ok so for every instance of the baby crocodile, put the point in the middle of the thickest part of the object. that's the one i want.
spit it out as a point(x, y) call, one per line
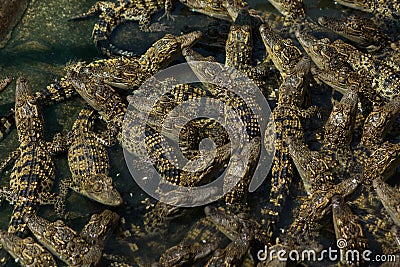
point(26, 251)
point(288, 123)
point(64, 242)
point(100, 226)
point(113, 13)
point(283, 53)
point(347, 227)
point(382, 9)
point(34, 171)
point(89, 163)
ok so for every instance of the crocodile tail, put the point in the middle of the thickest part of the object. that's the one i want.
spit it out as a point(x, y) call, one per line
point(24, 205)
point(56, 92)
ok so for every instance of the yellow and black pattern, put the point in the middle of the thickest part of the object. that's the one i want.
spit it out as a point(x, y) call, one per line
point(27, 251)
point(113, 13)
point(89, 162)
point(33, 172)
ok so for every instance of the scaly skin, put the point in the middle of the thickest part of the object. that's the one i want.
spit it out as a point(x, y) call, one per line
point(283, 53)
point(34, 171)
point(390, 199)
point(287, 117)
point(222, 9)
point(100, 226)
point(385, 79)
point(243, 107)
point(26, 251)
point(56, 92)
point(64, 242)
point(383, 9)
point(89, 163)
point(293, 10)
point(362, 31)
point(348, 65)
point(112, 14)
point(201, 240)
point(347, 227)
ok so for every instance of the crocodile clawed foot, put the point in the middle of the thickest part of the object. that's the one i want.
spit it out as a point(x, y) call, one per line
point(167, 15)
point(155, 27)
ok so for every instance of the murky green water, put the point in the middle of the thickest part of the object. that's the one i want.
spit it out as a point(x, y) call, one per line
point(42, 44)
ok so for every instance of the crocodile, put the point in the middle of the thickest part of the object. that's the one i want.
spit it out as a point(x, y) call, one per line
point(288, 117)
point(100, 226)
point(385, 78)
point(201, 240)
point(114, 13)
point(283, 53)
point(55, 92)
point(367, 34)
point(347, 227)
point(390, 199)
point(293, 10)
point(89, 163)
point(26, 251)
point(389, 10)
point(64, 242)
point(376, 77)
point(33, 173)
point(363, 31)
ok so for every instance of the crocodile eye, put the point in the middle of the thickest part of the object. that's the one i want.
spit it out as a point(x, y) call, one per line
point(277, 48)
point(97, 187)
point(315, 47)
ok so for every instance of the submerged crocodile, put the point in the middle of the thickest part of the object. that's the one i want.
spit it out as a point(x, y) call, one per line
point(337, 171)
point(114, 13)
point(64, 242)
point(26, 251)
point(122, 72)
point(382, 9)
point(33, 173)
point(89, 163)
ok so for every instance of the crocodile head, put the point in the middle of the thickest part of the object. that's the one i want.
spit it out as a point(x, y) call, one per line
point(100, 226)
point(167, 49)
point(27, 114)
point(101, 189)
point(283, 52)
point(363, 31)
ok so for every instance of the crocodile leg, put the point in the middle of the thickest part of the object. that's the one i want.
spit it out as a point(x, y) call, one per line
point(10, 158)
point(5, 82)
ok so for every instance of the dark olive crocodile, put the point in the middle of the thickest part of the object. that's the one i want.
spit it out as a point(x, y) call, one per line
point(26, 251)
point(288, 117)
point(382, 9)
point(375, 77)
point(362, 31)
point(201, 240)
point(64, 242)
point(114, 13)
point(34, 171)
point(89, 162)
point(283, 52)
point(100, 226)
point(293, 10)
point(340, 171)
point(347, 227)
